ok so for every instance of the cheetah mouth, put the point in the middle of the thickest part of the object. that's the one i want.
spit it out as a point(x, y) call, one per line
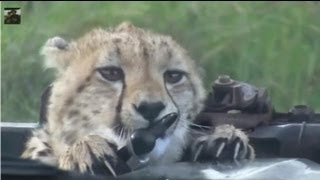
point(165, 126)
point(143, 141)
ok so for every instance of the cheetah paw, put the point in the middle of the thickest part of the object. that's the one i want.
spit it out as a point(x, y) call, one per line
point(225, 143)
point(93, 154)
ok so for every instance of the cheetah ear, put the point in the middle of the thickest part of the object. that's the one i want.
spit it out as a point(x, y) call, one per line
point(125, 27)
point(56, 53)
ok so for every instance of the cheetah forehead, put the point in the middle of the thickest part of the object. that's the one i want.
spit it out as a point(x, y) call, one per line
point(125, 44)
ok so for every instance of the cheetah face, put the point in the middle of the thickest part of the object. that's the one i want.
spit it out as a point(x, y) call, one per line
point(149, 83)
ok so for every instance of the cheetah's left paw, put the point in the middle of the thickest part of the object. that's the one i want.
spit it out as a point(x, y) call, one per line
point(225, 143)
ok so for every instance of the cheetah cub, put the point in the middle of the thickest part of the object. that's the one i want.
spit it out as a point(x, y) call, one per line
point(110, 83)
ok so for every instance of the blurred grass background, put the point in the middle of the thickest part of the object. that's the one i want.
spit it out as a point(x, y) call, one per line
point(270, 44)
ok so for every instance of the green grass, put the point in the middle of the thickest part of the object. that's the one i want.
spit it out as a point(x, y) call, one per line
point(270, 44)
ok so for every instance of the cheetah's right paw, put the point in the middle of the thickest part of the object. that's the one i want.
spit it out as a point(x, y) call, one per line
point(95, 155)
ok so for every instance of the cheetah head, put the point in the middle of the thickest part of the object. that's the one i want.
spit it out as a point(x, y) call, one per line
point(124, 79)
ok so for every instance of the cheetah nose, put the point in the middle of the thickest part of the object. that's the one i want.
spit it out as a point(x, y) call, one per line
point(149, 110)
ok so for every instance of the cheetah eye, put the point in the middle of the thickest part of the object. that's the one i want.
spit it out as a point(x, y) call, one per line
point(173, 76)
point(111, 73)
